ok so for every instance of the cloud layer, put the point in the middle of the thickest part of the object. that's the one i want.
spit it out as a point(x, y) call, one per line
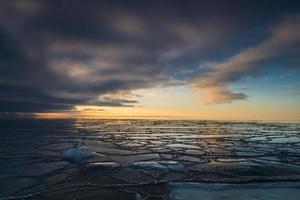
point(283, 39)
point(58, 54)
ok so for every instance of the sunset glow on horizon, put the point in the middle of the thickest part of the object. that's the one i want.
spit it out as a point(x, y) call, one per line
point(183, 103)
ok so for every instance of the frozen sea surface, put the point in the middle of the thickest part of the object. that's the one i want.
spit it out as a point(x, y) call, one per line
point(148, 159)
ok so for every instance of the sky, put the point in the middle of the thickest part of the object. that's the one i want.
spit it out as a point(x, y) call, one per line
point(204, 59)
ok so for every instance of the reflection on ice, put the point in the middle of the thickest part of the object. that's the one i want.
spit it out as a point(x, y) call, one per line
point(163, 165)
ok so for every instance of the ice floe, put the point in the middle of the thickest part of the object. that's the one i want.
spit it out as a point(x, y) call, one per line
point(76, 155)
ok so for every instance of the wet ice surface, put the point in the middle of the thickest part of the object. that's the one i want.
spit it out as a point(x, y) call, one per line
point(273, 191)
point(146, 159)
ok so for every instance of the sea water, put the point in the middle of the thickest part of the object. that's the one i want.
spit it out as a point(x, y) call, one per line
point(148, 159)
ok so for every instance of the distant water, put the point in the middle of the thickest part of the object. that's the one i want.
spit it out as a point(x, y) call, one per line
point(148, 159)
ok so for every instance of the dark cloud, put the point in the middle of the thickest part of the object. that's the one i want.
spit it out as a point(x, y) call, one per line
point(284, 39)
point(61, 53)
